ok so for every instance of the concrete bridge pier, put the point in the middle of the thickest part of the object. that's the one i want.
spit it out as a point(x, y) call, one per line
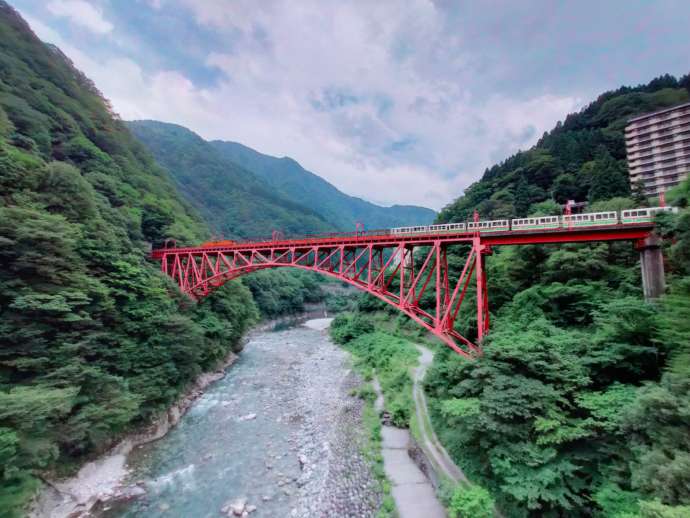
point(652, 264)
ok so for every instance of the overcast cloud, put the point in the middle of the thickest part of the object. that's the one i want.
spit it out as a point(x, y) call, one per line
point(396, 102)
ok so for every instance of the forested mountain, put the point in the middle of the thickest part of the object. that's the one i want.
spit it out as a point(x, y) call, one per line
point(580, 404)
point(93, 338)
point(234, 201)
point(582, 158)
point(341, 210)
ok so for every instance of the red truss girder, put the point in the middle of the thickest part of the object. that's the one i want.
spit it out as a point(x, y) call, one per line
point(374, 262)
point(386, 271)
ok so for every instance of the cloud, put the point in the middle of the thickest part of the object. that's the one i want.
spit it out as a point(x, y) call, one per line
point(392, 104)
point(82, 13)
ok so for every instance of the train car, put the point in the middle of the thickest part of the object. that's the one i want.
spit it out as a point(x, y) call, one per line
point(591, 219)
point(644, 215)
point(447, 227)
point(409, 230)
point(224, 242)
point(430, 229)
point(497, 225)
point(537, 222)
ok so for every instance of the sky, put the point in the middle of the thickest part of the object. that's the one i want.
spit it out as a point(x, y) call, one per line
point(397, 102)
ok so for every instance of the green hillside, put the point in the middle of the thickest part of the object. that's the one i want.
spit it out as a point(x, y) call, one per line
point(93, 339)
point(582, 158)
point(231, 199)
point(341, 210)
point(579, 406)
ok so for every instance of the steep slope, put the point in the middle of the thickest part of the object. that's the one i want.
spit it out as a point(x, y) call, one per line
point(342, 210)
point(562, 414)
point(234, 201)
point(93, 338)
point(582, 158)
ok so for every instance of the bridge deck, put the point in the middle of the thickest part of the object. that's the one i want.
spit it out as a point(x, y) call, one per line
point(627, 232)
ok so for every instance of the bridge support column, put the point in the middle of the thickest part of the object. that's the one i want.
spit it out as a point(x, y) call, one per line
point(652, 265)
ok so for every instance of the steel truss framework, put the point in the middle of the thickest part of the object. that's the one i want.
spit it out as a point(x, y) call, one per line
point(399, 270)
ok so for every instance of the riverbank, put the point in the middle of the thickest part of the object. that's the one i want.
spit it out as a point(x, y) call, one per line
point(280, 435)
point(101, 480)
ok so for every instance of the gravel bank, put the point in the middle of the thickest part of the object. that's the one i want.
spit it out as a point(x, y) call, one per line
point(339, 481)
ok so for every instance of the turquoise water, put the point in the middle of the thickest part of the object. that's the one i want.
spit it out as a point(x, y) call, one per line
point(213, 456)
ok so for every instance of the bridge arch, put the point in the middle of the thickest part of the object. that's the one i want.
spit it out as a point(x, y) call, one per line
point(386, 272)
point(421, 317)
point(397, 269)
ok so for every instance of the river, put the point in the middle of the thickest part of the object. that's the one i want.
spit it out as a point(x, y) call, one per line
point(280, 430)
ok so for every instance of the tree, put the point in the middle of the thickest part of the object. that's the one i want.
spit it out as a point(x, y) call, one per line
point(638, 194)
point(608, 179)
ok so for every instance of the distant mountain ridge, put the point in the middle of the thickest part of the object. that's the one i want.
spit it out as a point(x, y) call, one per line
point(290, 178)
point(244, 193)
point(234, 201)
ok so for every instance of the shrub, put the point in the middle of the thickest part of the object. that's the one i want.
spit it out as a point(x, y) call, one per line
point(471, 502)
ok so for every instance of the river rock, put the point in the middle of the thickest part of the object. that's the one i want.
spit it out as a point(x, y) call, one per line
point(302, 461)
point(131, 492)
point(247, 417)
point(234, 508)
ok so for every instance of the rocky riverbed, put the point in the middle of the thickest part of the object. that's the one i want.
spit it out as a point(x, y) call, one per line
point(280, 435)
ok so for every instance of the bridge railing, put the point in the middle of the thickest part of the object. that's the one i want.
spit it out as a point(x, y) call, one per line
point(321, 235)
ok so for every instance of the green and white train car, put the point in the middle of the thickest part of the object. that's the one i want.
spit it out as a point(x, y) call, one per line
point(536, 222)
point(643, 215)
point(497, 225)
point(592, 219)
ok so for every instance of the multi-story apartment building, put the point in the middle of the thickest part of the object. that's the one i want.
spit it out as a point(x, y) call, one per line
point(658, 148)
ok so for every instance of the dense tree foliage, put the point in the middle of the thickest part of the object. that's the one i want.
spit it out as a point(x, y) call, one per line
point(284, 291)
point(579, 405)
point(93, 338)
point(235, 202)
point(340, 210)
point(582, 159)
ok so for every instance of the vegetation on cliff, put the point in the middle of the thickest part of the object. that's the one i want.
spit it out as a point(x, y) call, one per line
point(579, 405)
point(93, 338)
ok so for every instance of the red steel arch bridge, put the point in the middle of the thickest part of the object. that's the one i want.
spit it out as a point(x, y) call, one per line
point(397, 268)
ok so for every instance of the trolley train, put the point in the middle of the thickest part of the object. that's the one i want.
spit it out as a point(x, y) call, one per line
point(592, 219)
